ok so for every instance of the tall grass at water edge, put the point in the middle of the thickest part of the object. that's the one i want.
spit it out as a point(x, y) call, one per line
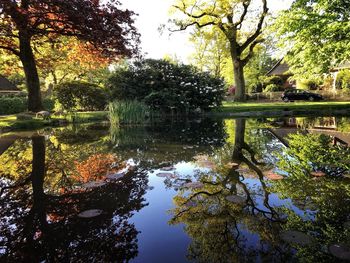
point(128, 112)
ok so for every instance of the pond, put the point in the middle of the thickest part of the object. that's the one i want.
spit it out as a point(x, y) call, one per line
point(206, 190)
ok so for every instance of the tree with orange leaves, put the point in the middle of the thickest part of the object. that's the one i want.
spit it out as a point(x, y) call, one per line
point(105, 26)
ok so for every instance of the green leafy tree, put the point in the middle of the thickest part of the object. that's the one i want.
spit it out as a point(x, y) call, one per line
point(241, 22)
point(315, 35)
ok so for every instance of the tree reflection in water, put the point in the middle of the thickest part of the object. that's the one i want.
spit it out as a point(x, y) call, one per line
point(38, 224)
point(249, 226)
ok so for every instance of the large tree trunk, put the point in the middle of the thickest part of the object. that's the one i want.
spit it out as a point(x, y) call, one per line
point(31, 73)
point(239, 80)
point(238, 72)
point(38, 168)
point(239, 139)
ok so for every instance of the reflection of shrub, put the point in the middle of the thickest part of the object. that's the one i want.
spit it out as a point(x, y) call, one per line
point(163, 85)
point(81, 96)
point(272, 88)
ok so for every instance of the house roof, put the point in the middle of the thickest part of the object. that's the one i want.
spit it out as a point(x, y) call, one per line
point(279, 69)
point(6, 85)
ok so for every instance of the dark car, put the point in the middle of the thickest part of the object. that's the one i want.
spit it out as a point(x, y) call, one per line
point(298, 94)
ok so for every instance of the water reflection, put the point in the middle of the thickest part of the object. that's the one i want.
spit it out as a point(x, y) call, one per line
point(232, 218)
point(38, 224)
point(219, 190)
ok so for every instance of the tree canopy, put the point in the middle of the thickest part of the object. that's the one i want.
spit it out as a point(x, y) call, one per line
point(315, 34)
point(241, 22)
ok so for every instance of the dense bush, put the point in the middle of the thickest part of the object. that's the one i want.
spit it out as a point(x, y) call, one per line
point(12, 105)
point(163, 85)
point(15, 104)
point(273, 83)
point(81, 96)
point(272, 88)
point(343, 79)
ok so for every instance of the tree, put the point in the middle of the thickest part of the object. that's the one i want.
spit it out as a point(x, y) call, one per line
point(234, 19)
point(315, 35)
point(211, 53)
point(23, 22)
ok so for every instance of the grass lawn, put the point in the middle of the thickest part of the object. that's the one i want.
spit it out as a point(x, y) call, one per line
point(10, 122)
point(272, 106)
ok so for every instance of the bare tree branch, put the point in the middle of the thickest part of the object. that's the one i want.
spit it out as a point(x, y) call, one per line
point(245, 11)
point(251, 51)
point(184, 27)
point(258, 28)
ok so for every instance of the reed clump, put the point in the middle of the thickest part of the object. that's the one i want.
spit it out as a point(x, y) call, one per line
point(128, 112)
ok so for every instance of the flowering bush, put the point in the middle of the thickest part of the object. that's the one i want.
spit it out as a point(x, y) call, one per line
point(165, 86)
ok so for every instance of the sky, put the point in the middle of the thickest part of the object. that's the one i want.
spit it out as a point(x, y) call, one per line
point(153, 13)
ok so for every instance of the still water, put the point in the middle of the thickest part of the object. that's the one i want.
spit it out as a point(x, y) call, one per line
point(235, 190)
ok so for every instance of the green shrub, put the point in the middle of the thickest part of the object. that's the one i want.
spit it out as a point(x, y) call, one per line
point(278, 81)
point(255, 86)
point(48, 104)
point(165, 86)
point(343, 79)
point(272, 88)
point(81, 96)
point(12, 105)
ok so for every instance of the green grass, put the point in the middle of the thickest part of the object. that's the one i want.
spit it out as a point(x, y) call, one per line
point(9, 122)
point(275, 106)
point(87, 116)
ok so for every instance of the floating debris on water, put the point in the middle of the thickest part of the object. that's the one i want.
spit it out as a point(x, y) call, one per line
point(194, 185)
point(274, 176)
point(318, 174)
point(191, 204)
point(115, 176)
point(340, 251)
point(232, 165)
point(167, 175)
point(296, 237)
point(168, 168)
point(236, 199)
point(94, 184)
point(90, 213)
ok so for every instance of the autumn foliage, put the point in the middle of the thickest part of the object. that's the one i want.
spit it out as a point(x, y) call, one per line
point(96, 167)
point(103, 25)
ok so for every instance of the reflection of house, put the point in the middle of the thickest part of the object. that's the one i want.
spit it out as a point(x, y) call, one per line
point(7, 87)
point(281, 69)
point(326, 126)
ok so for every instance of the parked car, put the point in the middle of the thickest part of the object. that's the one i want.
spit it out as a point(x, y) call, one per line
point(298, 94)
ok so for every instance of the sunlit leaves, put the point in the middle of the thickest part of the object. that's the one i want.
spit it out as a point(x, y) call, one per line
point(315, 34)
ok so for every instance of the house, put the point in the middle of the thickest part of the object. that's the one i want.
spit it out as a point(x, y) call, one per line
point(335, 71)
point(281, 69)
point(7, 87)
